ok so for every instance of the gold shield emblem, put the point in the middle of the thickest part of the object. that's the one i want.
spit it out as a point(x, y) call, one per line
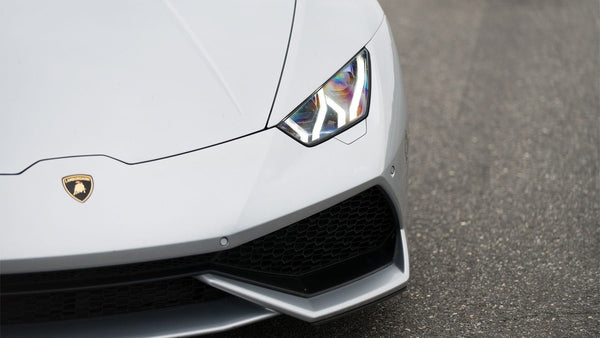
point(79, 186)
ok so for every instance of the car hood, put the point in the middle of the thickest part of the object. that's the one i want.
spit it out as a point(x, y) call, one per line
point(135, 80)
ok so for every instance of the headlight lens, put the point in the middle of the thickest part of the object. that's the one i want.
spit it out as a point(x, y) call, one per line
point(339, 104)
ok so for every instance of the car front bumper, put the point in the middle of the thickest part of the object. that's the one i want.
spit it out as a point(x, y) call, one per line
point(250, 304)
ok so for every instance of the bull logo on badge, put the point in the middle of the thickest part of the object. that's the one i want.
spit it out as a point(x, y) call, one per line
point(79, 186)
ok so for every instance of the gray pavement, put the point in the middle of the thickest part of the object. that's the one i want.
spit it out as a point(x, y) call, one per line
point(504, 233)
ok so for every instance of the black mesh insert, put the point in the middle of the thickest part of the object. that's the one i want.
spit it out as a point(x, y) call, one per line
point(115, 274)
point(332, 247)
point(354, 227)
point(86, 303)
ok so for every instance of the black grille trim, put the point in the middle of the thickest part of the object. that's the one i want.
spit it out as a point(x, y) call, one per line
point(333, 247)
point(105, 301)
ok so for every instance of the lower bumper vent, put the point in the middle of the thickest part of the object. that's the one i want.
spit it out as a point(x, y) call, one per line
point(99, 302)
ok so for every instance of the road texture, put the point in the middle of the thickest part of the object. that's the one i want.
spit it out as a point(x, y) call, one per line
point(504, 233)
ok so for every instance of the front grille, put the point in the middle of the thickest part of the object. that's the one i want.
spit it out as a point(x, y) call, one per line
point(354, 227)
point(332, 247)
point(327, 249)
point(115, 274)
point(87, 303)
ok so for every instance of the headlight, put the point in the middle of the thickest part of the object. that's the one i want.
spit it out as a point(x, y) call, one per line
point(339, 104)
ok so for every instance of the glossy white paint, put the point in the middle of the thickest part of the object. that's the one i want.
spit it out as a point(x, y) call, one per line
point(327, 34)
point(354, 133)
point(135, 80)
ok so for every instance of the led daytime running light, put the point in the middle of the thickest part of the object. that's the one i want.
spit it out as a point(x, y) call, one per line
point(339, 104)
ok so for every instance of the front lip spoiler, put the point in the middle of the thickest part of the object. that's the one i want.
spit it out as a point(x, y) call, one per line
point(250, 303)
point(361, 292)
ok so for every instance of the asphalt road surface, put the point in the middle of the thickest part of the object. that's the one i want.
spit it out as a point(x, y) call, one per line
point(504, 232)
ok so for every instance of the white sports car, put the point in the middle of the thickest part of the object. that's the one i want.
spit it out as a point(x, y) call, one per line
point(177, 167)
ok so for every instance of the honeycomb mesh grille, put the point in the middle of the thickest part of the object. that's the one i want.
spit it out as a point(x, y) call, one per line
point(351, 228)
point(27, 282)
point(87, 303)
